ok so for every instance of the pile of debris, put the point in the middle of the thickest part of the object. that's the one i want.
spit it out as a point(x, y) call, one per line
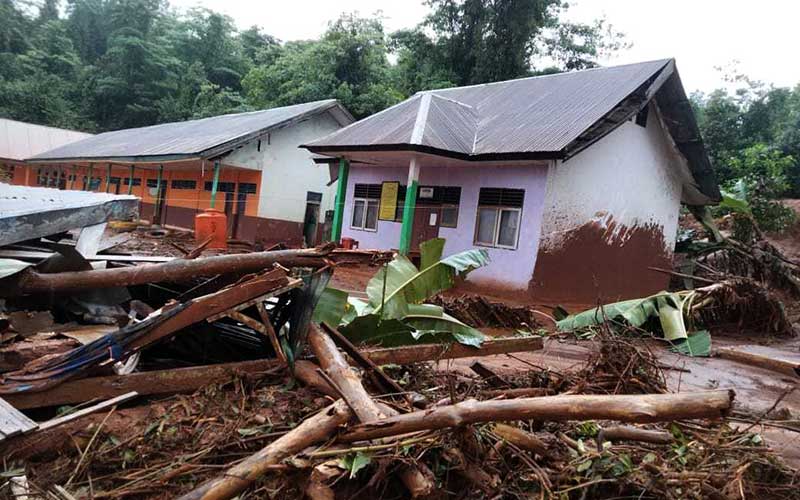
point(480, 312)
point(299, 389)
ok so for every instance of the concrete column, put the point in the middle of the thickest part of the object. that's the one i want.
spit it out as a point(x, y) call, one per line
point(409, 206)
point(341, 193)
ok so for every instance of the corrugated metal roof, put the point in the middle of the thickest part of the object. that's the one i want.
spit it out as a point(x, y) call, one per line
point(21, 200)
point(542, 114)
point(189, 138)
point(20, 140)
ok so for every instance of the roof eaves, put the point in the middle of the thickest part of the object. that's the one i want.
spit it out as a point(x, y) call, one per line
point(421, 148)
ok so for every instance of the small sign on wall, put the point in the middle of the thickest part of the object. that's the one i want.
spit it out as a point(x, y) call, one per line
point(426, 193)
point(389, 193)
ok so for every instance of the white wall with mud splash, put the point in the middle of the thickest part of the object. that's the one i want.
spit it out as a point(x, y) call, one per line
point(629, 179)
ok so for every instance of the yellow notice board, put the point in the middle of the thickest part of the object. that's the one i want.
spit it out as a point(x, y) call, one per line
point(388, 208)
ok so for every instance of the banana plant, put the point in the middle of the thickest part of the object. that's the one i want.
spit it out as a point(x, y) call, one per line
point(673, 310)
point(394, 312)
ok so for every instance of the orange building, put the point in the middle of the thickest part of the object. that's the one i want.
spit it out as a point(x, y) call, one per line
point(270, 189)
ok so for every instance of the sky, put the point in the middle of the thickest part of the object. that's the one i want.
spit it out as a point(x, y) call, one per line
point(758, 39)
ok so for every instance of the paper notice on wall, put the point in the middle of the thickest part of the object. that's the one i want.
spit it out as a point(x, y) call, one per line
point(389, 192)
point(432, 219)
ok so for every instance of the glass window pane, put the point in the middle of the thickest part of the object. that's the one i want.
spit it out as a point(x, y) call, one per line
point(358, 213)
point(372, 215)
point(449, 217)
point(487, 218)
point(509, 220)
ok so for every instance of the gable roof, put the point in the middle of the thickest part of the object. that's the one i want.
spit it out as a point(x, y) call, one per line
point(203, 138)
point(20, 140)
point(544, 117)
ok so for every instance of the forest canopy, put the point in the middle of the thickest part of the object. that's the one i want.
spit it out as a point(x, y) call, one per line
point(99, 65)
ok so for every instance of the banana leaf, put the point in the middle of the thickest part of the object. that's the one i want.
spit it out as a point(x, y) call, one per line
point(392, 289)
point(419, 329)
point(331, 308)
point(696, 344)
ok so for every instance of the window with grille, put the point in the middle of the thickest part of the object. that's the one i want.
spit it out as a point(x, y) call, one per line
point(137, 181)
point(366, 201)
point(247, 188)
point(183, 184)
point(499, 216)
point(222, 187)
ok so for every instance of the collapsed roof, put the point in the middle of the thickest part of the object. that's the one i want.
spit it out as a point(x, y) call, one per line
point(20, 140)
point(544, 117)
point(194, 139)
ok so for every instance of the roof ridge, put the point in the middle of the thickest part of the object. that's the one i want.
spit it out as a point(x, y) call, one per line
point(421, 121)
point(562, 73)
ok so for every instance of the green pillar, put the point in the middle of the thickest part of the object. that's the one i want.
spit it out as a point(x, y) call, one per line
point(88, 186)
point(215, 183)
point(108, 177)
point(341, 193)
point(408, 207)
point(130, 181)
point(157, 209)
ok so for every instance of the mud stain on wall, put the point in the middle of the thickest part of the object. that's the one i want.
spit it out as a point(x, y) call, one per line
point(601, 261)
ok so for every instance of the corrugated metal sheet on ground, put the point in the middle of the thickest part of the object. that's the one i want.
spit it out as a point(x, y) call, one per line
point(21, 200)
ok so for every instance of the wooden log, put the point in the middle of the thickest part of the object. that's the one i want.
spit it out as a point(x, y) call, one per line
point(17, 354)
point(628, 433)
point(145, 383)
point(488, 375)
point(176, 270)
point(763, 357)
point(346, 379)
point(358, 399)
point(432, 352)
point(521, 439)
point(236, 479)
point(625, 408)
point(385, 381)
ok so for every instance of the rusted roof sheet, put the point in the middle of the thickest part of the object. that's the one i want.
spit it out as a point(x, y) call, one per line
point(20, 140)
point(194, 138)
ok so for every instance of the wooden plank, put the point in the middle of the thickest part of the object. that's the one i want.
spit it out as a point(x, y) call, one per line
point(190, 379)
point(13, 422)
point(86, 411)
point(293, 283)
point(145, 383)
point(432, 352)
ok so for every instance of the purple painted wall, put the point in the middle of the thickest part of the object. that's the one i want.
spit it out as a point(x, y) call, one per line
point(509, 269)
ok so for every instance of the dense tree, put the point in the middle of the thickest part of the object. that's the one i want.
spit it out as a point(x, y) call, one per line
point(104, 64)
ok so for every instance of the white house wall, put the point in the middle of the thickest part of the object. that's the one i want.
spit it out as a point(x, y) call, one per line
point(288, 172)
point(610, 213)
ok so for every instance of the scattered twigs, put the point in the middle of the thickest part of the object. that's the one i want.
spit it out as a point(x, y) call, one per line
point(89, 446)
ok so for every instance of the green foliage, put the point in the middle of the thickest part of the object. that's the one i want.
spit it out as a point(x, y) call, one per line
point(666, 313)
point(395, 313)
point(108, 64)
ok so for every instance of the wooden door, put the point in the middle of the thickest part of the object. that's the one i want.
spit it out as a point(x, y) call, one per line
point(426, 225)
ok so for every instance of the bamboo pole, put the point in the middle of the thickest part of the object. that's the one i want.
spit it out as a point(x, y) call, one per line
point(625, 408)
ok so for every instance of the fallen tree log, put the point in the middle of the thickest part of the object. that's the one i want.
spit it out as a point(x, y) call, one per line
point(763, 357)
point(522, 439)
point(625, 408)
point(348, 383)
point(405, 355)
point(29, 281)
point(236, 479)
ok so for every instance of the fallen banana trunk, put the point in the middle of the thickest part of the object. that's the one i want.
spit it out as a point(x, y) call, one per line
point(626, 408)
point(236, 479)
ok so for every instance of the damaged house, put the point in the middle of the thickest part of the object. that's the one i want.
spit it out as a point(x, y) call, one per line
point(269, 188)
point(573, 181)
point(20, 140)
